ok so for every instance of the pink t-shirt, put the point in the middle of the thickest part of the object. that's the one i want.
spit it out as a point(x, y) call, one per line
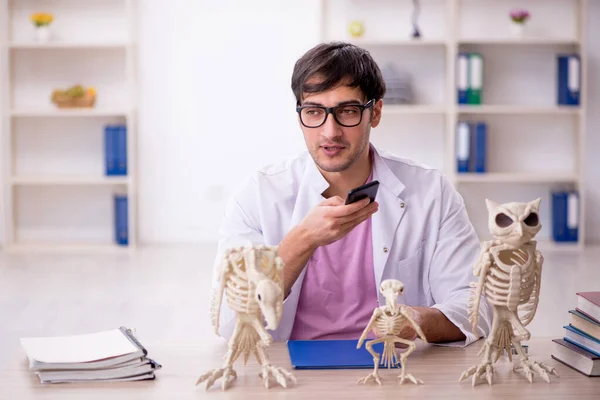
point(338, 292)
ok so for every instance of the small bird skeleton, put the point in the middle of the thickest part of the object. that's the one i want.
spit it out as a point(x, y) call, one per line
point(509, 270)
point(252, 279)
point(387, 322)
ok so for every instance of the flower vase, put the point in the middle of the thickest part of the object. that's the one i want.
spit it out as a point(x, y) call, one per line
point(42, 34)
point(517, 29)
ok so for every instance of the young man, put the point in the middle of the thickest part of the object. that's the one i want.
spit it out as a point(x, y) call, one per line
point(336, 255)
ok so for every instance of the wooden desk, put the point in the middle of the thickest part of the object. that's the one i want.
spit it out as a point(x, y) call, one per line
point(438, 367)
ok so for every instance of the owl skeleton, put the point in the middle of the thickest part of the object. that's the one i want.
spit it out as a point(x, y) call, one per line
point(387, 322)
point(509, 270)
point(251, 278)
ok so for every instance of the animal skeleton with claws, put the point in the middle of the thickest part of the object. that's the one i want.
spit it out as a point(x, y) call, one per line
point(509, 271)
point(252, 279)
point(387, 322)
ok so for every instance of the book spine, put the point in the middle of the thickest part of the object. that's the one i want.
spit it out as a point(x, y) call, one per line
point(463, 139)
point(572, 220)
point(110, 156)
point(475, 78)
point(480, 154)
point(582, 339)
point(121, 222)
point(462, 77)
point(122, 149)
point(569, 80)
point(559, 216)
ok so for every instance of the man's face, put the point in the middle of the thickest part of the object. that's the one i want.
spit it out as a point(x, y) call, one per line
point(334, 147)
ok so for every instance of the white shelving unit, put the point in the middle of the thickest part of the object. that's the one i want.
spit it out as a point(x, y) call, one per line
point(55, 192)
point(534, 145)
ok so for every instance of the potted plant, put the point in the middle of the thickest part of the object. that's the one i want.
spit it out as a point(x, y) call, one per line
point(41, 22)
point(518, 19)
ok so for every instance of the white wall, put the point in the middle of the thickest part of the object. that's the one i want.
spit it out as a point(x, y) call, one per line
point(200, 136)
point(215, 92)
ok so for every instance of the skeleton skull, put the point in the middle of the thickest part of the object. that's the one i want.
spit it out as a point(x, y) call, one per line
point(268, 296)
point(514, 223)
point(391, 289)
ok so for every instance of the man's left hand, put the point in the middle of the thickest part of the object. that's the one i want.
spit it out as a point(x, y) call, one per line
point(407, 331)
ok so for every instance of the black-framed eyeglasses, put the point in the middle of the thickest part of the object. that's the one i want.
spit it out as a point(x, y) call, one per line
point(347, 115)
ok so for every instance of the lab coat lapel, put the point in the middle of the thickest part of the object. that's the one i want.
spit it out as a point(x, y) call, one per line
point(386, 220)
point(312, 185)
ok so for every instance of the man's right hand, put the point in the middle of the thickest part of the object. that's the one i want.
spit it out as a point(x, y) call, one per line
point(331, 219)
point(325, 223)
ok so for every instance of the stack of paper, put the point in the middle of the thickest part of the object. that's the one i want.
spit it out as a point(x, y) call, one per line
point(113, 355)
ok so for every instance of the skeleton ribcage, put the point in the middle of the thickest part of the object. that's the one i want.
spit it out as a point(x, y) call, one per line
point(510, 280)
point(239, 296)
point(389, 324)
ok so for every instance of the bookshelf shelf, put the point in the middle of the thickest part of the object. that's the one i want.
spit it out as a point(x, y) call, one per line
point(69, 45)
point(68, 113)
point(400, 43)
point(69, 180)
point(516, 109)
point(56, 191)
point(526, 129)
point(49, 247)
point(550, 246)
point(507, 177)
point(529, 41)
point(413, 109)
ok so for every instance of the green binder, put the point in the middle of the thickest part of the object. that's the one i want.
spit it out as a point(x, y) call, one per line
point(475, 78)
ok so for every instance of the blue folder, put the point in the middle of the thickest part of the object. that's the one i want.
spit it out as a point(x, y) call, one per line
point(462, 84)
point(331, 354)
point(121, 219)
point(480, 147)
point(463, 146)
point(569, 79)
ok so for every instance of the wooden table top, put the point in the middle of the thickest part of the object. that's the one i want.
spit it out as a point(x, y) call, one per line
point(439, 368)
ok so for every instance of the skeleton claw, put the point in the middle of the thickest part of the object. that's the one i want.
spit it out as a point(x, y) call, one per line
point(410, 377)
point(479, 372)
point(527, 368)
point(372, 376)
point(228, 375)
point(266, 341)
point(280, 375)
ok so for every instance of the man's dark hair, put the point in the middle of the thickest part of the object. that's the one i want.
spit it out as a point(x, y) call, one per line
point(334, 64)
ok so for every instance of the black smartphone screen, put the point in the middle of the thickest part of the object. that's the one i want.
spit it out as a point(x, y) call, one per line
point(367, 190)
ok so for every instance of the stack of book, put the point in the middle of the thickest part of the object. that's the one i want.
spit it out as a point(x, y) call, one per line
point(398, 86)
point(107, 356)
point(580, 347)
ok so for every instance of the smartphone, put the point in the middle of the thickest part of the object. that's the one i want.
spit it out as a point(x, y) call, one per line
point(367, 190)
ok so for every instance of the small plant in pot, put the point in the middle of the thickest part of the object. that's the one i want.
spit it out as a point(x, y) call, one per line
point(41, 22)
point(519, 18)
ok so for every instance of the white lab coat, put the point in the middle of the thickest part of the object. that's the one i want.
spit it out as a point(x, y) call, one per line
point(421, 234)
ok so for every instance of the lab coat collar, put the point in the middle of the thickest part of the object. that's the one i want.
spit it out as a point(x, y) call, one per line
point(381, 172)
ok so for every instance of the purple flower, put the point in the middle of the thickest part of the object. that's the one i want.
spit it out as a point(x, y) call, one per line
point(519, 15)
